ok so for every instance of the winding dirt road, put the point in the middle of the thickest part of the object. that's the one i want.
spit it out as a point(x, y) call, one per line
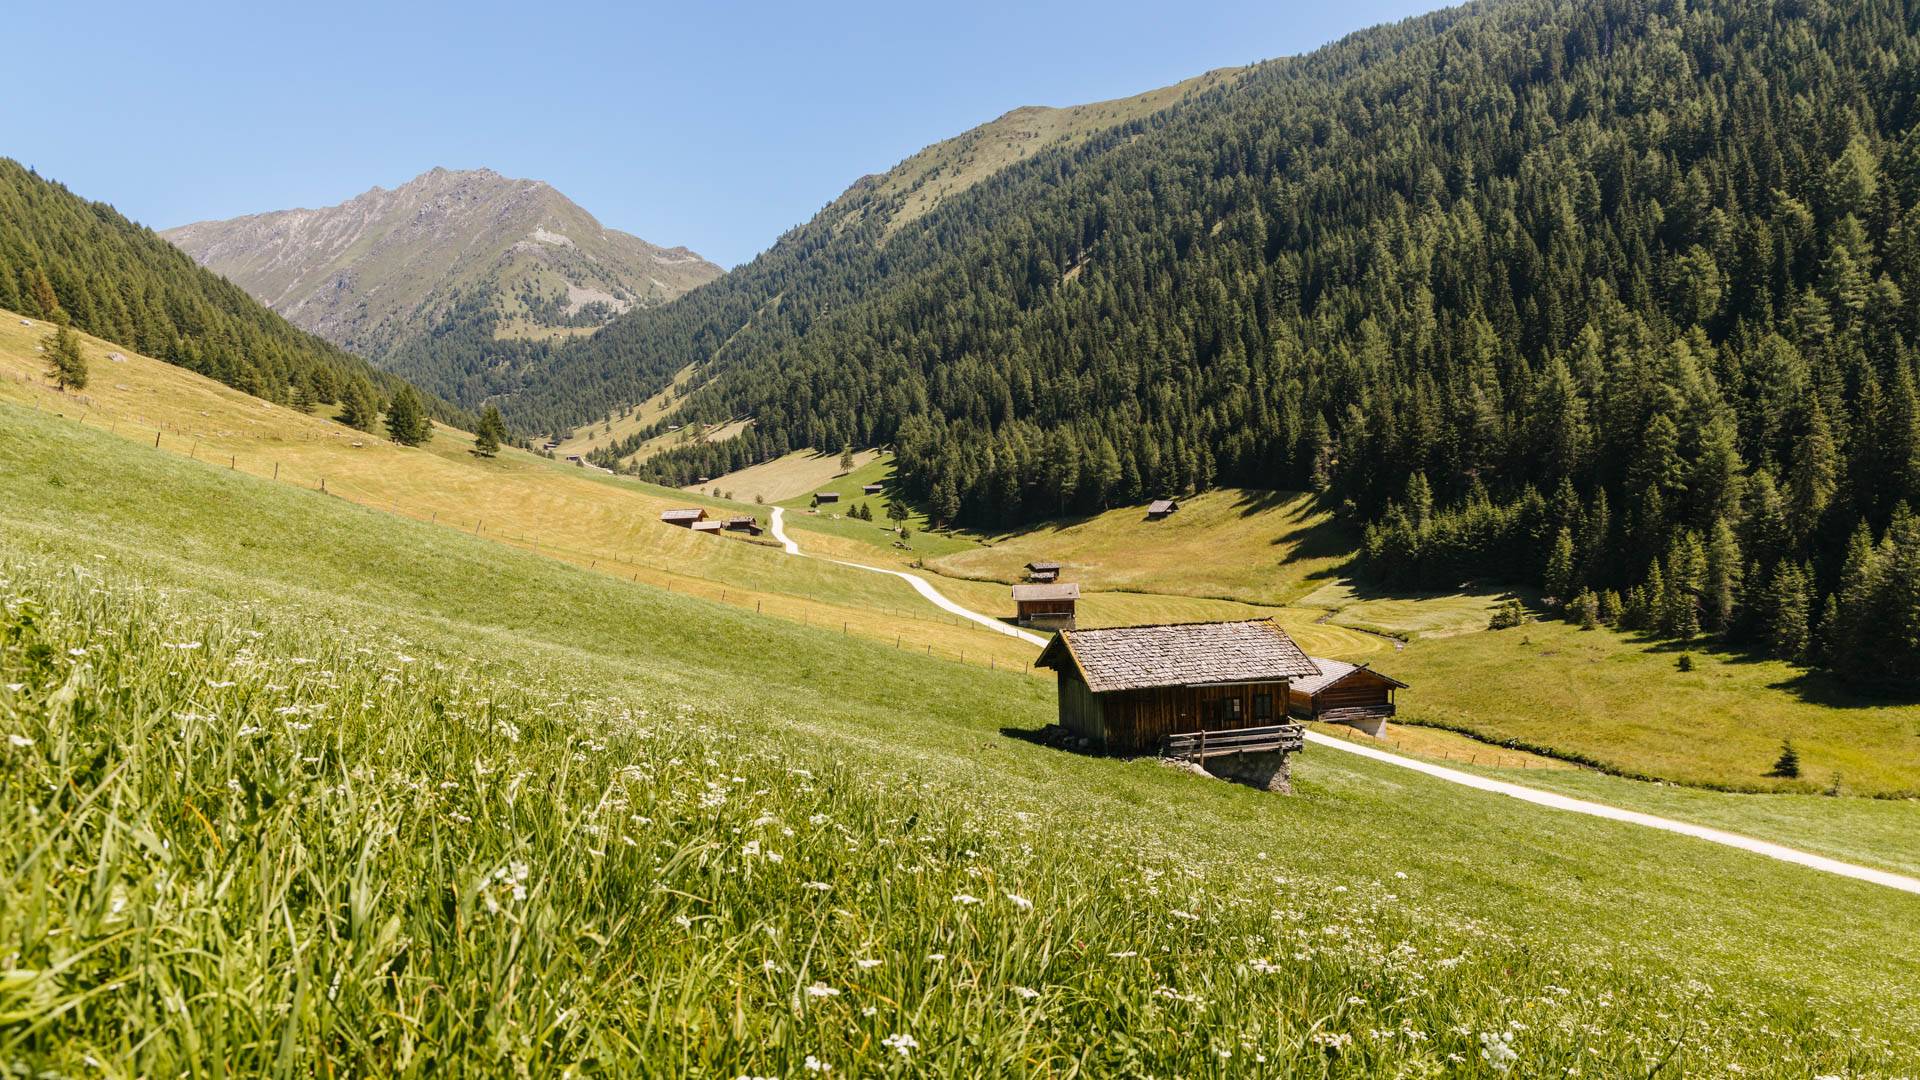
point(1452, 776)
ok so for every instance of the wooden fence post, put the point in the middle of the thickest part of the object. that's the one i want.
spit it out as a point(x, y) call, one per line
point(276, 470)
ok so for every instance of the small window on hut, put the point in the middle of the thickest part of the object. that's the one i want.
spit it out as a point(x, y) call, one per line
point(1263, 706)
point(1234, 706)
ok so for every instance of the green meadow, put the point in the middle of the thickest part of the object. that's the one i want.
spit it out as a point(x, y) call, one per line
point(295, 785)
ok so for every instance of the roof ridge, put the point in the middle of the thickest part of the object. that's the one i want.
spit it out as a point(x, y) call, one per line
point(1162, 625)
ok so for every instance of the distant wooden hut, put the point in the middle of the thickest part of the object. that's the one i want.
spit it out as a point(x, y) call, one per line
point(826, 497)
point(1343, 693)
point(745, 523)
point(686, 519)
point(1125, 689)
point(1047, 607)
point(1041, 571)
point(873, 489)
point(1160, 508)
point(708, 526)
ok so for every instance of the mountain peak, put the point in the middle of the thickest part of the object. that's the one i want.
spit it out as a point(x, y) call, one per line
point(390, 267)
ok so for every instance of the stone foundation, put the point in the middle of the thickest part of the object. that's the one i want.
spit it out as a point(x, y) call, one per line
point(1268, 770)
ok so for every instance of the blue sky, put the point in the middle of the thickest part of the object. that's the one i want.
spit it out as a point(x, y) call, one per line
point(714, 125)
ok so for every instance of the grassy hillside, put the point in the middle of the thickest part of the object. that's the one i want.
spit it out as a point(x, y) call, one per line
point(1622, 702)
point(487, 804)
point(607, 523)
point(1262, 547)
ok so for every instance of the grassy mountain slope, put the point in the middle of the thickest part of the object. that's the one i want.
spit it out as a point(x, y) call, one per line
point(441, 255)
point(487, 803)
point(64, 257)
point(828, 261)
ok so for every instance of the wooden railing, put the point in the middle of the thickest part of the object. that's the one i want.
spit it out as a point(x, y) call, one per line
point(1201, 745)
point(1355, 712)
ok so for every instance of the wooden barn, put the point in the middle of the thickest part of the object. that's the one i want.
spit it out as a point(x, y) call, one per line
point(683, 518)
point(826, 497)
point(708, 527)
point(745, 523)
point(1046, 607)
point(873, 489)
point(1343, 693)
point(1125, 689)
point(1160, 508)
point(1041, 571)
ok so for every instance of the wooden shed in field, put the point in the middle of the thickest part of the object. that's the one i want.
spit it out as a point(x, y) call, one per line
point(745, 523)
point(1344, 693)
point(683, 518)
point(826, 496)
point(1160, 508)
point(708, 526)
point(1041, 571)
point(873, 489)
point(1046, 607)
point(1125, 689)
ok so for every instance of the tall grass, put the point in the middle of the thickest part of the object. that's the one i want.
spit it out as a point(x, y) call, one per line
point(250, 840)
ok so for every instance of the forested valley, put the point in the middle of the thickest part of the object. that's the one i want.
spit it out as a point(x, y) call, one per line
point(1614, 298)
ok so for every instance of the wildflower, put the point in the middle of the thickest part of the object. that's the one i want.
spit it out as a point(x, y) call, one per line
point(220, 684)
point(965, 900)
point(76, 651)
point(866, 964)
point(1498, 1050)
point(1026, 993)
point(1328, 1040)
point(20, 741)
point(1127, 955)
point(905, 1044)
point(815, 1065)
point(751, 849)
point(822, 990)
point(184, 646)
point(15, 687)
point(817, 886)
point(936, 957)
point(1020, 902)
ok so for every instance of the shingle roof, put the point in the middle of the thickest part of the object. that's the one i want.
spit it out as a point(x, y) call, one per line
point(1332, 671)
point(682, 515)
point(1043, 564)
point(1163, 506)
point(1065, 591)
point(708, 526)
point(1179, 654)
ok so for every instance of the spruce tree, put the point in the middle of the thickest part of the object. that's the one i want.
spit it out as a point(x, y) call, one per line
point(407, 421)
point(359, 405)
point(66, 363)
point(846, 457)
point(1721, 590)
point(490, 432)
point(1562, 574)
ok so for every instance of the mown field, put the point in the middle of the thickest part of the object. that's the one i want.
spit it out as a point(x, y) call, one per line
point(293, 785)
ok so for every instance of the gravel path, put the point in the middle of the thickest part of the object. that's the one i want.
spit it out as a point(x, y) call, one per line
point(1454, 776)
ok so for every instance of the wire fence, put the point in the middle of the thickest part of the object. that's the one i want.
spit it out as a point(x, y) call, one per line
point(862, 620)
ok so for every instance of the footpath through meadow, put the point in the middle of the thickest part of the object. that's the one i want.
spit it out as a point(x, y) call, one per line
point(1549, 799)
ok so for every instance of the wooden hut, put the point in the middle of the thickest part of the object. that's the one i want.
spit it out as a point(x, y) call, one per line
point(1041, 571)
point(683, 518)
point(826, 496)
point(708, 526)
point(745, 523)
point(1125, 689)
point(873, 489)
point(1047, 607)
point(1160, 508)
point(1343, 693)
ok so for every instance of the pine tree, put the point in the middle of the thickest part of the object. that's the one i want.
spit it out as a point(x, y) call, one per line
point(66, 363)
point(846, 458)
point(359, 406)
point(1812, 476)
point(407, 421)
point(1721, 590)
point(491, 431)
point(1562, 574)
point(1787, 596)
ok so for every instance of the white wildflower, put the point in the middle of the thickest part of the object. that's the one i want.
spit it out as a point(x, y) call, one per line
point(867, 964)
point(905, 1044)
point(964, 900)
point(20, 741)
point(1498, 1049)
point(817, 886)
point(1026, 993)
point(822, 990)
point(1020, 902)
point(815, 1065)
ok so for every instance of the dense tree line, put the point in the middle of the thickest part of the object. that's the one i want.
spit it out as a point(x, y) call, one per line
point(66, 260)
point(1619, 298)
